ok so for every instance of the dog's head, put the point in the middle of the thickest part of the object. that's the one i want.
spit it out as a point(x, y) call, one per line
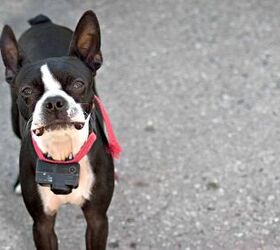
point(56, 94)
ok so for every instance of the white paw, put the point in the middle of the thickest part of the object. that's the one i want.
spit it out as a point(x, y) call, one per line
point(17, 189)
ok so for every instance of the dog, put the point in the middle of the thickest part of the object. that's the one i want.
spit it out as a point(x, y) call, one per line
point(67, 151)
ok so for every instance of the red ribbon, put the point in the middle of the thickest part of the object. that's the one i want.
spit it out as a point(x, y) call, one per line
point(114, 146)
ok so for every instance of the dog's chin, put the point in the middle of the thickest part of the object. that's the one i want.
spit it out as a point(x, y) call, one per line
point(60, 140)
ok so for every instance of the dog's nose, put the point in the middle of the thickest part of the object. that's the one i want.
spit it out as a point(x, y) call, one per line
point(55, 103)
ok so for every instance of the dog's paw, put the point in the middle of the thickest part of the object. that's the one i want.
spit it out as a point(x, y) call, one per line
point(17, 189)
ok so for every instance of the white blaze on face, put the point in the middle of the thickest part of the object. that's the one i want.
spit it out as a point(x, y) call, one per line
point(49, 81)
point(60, 143)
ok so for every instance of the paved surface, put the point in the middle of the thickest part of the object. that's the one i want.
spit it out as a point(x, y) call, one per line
point(193, 89)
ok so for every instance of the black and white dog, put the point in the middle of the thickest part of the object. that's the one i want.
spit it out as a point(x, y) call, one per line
point(55, 107)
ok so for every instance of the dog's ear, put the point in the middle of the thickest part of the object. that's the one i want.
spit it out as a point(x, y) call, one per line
point(86, 41)
point(10, 53)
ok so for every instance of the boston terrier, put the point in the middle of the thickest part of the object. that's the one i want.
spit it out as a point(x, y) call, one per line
point(67, 141)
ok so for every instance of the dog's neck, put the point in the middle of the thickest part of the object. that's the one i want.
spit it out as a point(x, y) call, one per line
point(63, 143)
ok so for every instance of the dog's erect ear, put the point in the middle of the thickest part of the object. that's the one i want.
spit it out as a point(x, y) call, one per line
point(86, 41)
point(10, 53)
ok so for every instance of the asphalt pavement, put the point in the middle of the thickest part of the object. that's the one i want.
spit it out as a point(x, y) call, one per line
point(193, 90)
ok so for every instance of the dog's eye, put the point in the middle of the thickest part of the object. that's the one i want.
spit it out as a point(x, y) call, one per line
point(78, 84)
point(26, 91)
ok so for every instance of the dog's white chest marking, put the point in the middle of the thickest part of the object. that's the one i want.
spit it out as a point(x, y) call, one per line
point(52, 202)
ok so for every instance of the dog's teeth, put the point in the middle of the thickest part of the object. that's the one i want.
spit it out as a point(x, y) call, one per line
point(48, 156)
point(79, 125)
point(70, 157)
point(39, 131)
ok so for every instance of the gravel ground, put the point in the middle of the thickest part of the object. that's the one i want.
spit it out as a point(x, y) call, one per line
point(193, 90)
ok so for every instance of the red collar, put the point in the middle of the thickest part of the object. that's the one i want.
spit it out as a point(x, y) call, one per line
point(113, 147)
point(83, 151)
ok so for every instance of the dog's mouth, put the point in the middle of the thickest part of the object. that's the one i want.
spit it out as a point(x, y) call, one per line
point(57, 125)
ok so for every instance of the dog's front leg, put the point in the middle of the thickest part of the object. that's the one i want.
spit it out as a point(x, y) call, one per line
point(43, 227)
point(43, 233)
point(43, 224)
point(97, 228)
